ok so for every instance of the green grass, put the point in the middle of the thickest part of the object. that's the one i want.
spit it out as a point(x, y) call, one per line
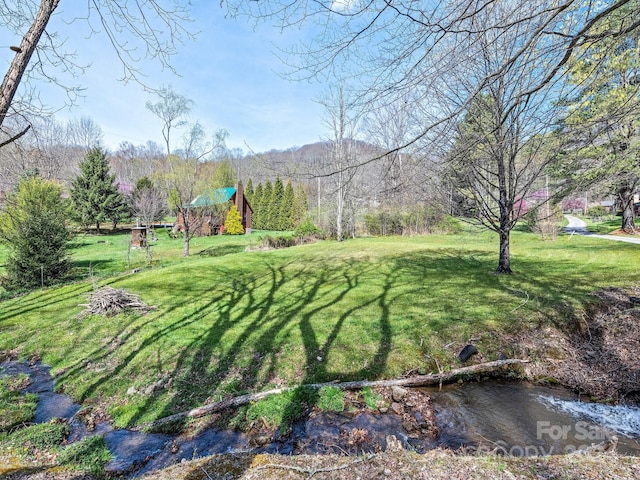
point(89, 455)
point(371, 398)
point(249, 321)
point(278, 410)
point(36, 437)
point(603, 225)
point(15, 408)
point(331, 399)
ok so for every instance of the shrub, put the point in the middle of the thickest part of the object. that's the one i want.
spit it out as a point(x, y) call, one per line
point(546, 222)
point(233, 223)
point(270, 241)
point(307, 229)
point(414, 221)
point(598, 211)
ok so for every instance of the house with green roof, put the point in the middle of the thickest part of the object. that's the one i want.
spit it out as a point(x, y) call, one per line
point(208, 211)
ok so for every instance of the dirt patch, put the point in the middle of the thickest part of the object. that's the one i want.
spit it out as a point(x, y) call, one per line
point(398, 464)
point(391, 465)
point(599, 358)
point(624, 233)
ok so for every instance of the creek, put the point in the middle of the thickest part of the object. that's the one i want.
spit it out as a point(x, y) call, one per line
point(505, 418)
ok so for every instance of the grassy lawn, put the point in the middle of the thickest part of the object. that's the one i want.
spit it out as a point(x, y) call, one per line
point(603, 225)
point(230, 321)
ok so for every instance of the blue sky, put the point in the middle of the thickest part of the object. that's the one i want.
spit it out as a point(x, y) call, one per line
point(230, 71)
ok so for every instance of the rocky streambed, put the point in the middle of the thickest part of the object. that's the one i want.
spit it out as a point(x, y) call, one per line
point(507, 418)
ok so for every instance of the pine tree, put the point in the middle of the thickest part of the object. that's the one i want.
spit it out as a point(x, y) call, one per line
point(256, 203)
point(94, 195)
point(286, 209)
point(248, 191)
point(275, 204)
point(264, 206)
point(33, 226)
point(233, 223)
point(300, 205)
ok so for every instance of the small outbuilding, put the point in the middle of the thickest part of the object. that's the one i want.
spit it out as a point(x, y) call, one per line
point(139, 237)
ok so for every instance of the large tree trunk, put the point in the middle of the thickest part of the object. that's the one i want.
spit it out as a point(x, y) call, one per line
point(21, 60)
point(504, 261)
point(625, 194)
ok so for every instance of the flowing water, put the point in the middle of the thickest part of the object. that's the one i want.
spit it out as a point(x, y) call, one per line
point(506, 418)
point(524, 419)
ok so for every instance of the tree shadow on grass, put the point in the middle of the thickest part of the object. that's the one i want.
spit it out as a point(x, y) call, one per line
point(222, 250)
point(14, 308)
point(236, 332)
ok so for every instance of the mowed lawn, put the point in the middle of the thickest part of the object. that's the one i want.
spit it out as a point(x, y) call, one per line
point(229, 321)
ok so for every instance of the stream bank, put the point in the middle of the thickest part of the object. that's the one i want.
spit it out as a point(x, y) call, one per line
point(506, 418)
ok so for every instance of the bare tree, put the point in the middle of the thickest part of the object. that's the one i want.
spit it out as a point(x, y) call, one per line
point(44, 148)
point(84, 132)
point(183, 183)
point(131, 27)
point(410, 49)
point(498, 147)
point(132, 162)
point(172, 108)
point(340, 165)
point(148, 202)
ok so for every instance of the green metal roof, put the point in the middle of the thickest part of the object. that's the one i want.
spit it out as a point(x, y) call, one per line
point(214, 197)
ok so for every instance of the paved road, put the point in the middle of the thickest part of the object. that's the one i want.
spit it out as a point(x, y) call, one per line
point(579, 227)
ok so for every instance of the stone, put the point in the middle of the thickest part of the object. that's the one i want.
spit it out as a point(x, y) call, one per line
point(132, 391)
point(397, 408)
point(398, 393)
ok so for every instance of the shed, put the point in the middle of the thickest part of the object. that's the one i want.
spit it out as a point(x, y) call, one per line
point(139, 237)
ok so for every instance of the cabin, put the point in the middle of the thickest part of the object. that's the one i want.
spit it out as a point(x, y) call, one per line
point(207, 221)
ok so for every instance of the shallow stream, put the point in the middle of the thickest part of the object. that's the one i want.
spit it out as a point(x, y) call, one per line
point(506, 418)
point(524, 419)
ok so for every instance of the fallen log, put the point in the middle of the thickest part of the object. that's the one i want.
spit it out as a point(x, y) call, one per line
point(415, 381)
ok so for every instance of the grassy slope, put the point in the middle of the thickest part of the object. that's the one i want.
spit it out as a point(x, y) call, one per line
point(367, 308)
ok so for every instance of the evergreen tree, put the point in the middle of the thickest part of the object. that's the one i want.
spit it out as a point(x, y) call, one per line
point(285, 218)
point(275, 204)
point(264, 205)
point(233, 223)
point(248, 191)
point(256, 203)
point(94, 195)
point(300, 205)
point(604, 118)
point(33, 226)
point(119, 210)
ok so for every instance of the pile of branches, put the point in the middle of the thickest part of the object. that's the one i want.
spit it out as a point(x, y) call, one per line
point(110, 301)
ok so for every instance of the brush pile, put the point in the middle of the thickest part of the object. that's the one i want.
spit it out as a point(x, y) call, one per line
point(110, 301)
